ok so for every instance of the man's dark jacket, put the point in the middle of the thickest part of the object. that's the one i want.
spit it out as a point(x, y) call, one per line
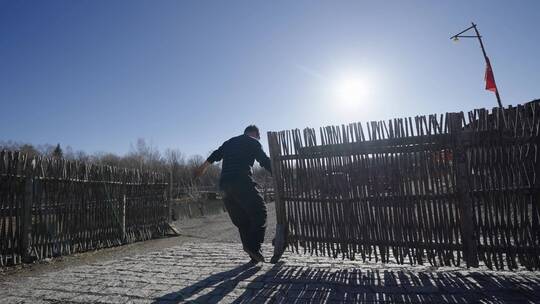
point(238, 155)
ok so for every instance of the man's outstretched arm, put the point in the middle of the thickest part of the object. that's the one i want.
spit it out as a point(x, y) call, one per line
point(263, 159)
point(217, 155)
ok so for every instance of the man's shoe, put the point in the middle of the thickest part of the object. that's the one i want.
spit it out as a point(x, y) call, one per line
point(257, 256)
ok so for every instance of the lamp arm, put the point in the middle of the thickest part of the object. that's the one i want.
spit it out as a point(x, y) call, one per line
point(456, 35)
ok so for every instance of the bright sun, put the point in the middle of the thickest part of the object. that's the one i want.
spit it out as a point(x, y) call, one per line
point(352, 90)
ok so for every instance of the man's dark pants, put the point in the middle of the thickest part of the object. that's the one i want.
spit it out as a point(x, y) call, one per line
point(247, 211)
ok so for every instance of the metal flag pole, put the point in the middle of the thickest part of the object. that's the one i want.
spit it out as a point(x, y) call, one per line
point(488, 63)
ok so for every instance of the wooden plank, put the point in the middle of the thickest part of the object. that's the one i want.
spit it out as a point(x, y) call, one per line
point(26, 233)
point(468, 233)
point(280, 241)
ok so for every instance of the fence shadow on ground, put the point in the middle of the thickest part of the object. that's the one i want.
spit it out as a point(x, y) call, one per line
point(293, 284)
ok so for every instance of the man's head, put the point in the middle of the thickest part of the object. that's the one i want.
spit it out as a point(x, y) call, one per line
point(252, 131)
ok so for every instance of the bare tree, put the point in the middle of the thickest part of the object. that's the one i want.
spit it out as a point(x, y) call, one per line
point(29, 150)
point(68, 153)
point(81, 156)
point(175, 161)
point(46, 150)
point(147, 155)
point(108, 159)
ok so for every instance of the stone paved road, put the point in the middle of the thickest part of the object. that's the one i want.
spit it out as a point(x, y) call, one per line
point(215, 228)
point(215, 272)
point(208, 266)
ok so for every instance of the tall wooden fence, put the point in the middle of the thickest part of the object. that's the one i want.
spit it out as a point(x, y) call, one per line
point(442, 189)
point(51, 207)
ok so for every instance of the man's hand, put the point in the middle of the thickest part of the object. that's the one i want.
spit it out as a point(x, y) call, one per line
point(201, 169)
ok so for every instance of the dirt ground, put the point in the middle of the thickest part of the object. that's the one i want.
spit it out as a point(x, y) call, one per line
point(208, 229)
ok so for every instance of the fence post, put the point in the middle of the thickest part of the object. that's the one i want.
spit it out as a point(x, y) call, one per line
point(123, 219)
point(170, 197)
point(468, 235)
point(26, 233)
point(280, 240)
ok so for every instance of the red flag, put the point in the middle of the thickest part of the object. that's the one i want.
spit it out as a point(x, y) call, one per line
point(489, 78)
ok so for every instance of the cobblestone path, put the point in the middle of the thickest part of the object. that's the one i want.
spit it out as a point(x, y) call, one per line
point(218, 273)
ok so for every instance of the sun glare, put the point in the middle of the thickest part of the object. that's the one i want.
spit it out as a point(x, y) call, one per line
point(352, 90)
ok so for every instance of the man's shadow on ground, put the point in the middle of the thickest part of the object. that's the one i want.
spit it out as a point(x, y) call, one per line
point(226, 282)
point(294, 284)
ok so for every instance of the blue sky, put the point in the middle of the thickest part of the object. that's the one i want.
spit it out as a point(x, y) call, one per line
point(97, 75)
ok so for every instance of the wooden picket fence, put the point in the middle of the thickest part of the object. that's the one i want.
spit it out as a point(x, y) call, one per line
point(441, 189)
point(52, 207)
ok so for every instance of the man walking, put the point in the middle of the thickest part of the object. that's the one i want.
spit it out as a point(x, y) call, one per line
point(243, 202)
